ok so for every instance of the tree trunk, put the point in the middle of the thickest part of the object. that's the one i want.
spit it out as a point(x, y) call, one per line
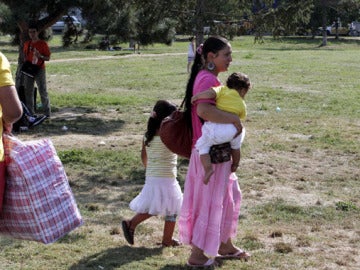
point(199, 21)
point(324, 17)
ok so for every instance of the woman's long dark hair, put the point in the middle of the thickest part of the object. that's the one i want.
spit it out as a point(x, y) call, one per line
point(212, 44)
point(161, 110)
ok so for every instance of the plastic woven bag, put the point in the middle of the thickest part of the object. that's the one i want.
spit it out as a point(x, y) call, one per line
point(38, 202)
point(2, 183)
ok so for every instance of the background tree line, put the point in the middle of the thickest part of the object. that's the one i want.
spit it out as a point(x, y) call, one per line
point(147, 22)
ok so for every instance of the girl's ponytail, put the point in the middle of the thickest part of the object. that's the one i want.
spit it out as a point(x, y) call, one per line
point(162, 109)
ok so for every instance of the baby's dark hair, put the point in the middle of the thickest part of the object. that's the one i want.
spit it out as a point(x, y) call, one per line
point(161, 110)
point(238, 80)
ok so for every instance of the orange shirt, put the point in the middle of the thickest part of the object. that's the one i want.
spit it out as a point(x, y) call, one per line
point(39, 45)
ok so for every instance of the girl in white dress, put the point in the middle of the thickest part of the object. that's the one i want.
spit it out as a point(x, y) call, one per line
point(161, 194)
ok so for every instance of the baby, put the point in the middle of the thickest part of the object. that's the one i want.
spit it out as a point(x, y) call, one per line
point(228, 98)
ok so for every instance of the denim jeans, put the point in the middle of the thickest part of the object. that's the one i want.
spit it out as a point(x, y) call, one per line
point(29, 83)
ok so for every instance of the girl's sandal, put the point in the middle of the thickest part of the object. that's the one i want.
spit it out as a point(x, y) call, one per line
point(174, 243)
point(128, 232)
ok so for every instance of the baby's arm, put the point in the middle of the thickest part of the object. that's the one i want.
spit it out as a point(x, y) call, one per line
point(207, 94)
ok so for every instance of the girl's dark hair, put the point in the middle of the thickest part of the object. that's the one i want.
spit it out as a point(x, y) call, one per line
point(212, 44)
point(238, 80)
point(161, 110)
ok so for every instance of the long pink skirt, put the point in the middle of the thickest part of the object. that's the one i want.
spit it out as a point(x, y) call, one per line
point(209, 213)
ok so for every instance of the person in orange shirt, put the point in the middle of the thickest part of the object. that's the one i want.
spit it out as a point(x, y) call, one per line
point(36, 51)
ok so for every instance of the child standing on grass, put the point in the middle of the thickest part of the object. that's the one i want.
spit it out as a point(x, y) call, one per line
point(229, 98)
point(191, 53)
point(161, 194)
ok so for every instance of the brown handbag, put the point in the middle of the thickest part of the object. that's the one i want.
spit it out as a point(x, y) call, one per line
point(176, 134)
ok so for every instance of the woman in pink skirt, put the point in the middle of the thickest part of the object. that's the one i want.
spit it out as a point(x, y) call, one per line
point(209, 214)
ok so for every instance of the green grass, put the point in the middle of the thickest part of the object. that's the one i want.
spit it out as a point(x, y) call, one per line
point(299, 171)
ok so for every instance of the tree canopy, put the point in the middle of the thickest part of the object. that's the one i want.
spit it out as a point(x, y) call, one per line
point(157, 21)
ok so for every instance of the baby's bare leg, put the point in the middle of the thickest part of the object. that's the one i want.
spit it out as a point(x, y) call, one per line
point(235, 154)
point(206, 162)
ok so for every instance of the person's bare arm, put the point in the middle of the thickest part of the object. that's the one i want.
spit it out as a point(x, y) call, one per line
point(207, 94)
point(143, 155)
point(11, 106)
point(41, 56)
point(209, 112)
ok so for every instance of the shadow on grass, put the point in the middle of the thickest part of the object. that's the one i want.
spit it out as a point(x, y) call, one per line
point(121, 256)
point(78, 123)
point(308, 43)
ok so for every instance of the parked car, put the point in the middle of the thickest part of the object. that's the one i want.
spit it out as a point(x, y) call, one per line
point(331, 30)
point(355, 29)
point(60, 25)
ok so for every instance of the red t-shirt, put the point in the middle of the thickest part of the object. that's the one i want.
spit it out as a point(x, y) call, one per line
point(39, 45)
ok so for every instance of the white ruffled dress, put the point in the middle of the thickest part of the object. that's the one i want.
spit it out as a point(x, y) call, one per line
point(161, 194)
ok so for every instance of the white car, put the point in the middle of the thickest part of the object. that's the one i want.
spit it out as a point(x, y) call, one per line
point(355, 29)
point(60, 25)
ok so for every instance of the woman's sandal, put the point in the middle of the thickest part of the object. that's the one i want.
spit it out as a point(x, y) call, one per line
point(240, 255)
point(209, 264)
point(128, 233)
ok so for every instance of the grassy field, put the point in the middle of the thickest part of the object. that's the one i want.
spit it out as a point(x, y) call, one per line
point(300, 167)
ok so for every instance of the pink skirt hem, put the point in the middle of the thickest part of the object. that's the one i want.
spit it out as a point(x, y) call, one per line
point(209, 213)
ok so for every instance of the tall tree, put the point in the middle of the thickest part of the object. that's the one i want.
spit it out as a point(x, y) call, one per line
point(199, 21)
point(119, 20)
point(44, 12)
point(155, 21)
point(141, 20)
point(280, 17)
point(331, 10)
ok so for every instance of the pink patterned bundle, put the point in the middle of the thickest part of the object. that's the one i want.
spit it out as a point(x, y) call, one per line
point(38, 202)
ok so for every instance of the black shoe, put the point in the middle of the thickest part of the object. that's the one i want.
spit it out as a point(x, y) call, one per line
point(128, 233)
point(37, 121)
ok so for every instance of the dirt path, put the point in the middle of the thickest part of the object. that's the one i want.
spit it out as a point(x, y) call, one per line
point(111, 57)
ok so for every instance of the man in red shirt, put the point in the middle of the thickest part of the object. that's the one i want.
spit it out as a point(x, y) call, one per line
point(36, 51)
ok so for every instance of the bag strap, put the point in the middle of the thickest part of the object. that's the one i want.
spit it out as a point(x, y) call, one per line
point(41, 61)
point(182, 104)
point(28, 48)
